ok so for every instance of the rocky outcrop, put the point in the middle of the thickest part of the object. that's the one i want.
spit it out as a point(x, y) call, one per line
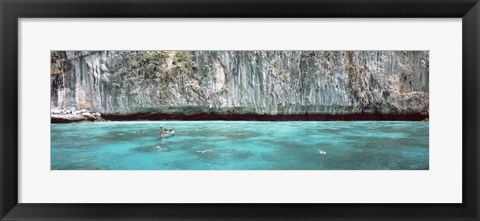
point(242, 82)
point(72, 115)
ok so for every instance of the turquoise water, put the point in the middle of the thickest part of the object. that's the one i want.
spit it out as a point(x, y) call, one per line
point(241, 145)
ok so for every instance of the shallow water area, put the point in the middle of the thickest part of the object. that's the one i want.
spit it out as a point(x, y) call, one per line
point(241, 145)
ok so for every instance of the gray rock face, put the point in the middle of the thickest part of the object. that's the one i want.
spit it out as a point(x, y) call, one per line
point(67, 118)
point(69, 115)
point(258, 82)
point(89, 116)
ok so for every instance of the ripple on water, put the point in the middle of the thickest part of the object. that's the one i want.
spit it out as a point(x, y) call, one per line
point(226, 134)
point(241, 146)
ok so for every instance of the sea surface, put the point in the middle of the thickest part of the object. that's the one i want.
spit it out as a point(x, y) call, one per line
point(241, 145)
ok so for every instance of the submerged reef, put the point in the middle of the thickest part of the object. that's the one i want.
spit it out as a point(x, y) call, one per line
point(269, 85)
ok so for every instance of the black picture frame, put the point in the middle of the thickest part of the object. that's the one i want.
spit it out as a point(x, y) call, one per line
point(12, 10)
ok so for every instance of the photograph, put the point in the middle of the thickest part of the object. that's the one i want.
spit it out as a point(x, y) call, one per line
point(239, 110)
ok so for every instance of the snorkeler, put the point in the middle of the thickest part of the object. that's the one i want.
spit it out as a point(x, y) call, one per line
point(166, 133)
point(162, 132)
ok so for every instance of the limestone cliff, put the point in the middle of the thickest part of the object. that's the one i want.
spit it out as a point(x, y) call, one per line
point(241, 82)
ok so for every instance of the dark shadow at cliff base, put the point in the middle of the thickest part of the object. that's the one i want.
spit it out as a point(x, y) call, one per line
point(257, 117)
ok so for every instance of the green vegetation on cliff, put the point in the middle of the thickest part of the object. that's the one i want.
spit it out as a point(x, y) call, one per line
point(257, 82)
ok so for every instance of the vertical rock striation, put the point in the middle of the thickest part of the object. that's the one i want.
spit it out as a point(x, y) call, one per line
point(242, 82)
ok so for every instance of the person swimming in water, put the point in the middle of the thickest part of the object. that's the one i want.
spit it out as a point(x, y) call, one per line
point(165, 133)
point(162, 132)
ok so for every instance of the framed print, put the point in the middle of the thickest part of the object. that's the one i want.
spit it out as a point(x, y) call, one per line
point(239, 110)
